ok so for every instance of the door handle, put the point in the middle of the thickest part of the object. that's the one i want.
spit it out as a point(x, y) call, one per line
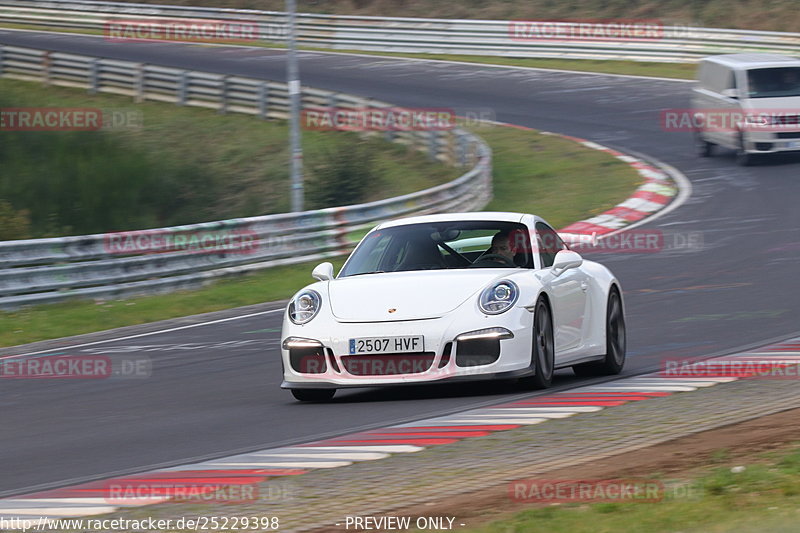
point(584, 286)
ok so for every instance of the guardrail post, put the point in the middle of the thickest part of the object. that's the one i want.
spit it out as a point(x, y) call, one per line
point(449, 147)
point(475, 152)
point(47, 63)
point(223, 105)
point(93, 75)
point(461, 144)
point(263, 100)
point(138, 83)
point(1, 60)
point(183, 81)
point(433, 144)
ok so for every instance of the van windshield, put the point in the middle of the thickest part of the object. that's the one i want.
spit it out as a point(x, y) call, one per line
point(773, 82)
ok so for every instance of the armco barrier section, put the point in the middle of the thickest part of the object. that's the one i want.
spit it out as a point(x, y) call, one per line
point(418, 35)
point(40, 271)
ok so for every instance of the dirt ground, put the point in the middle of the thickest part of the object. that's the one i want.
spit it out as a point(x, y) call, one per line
point(683, 458)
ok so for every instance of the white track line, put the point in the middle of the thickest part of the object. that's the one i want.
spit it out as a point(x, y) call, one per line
point(352, 456)
point(157, 332)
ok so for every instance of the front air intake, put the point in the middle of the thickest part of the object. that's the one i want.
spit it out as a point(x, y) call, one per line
point(308, 360)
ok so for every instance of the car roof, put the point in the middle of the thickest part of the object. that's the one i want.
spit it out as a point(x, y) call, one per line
point(754, 60)
point(496, 216)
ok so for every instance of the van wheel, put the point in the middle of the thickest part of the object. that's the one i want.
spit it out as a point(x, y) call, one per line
point(702, 146)
point(743, 158)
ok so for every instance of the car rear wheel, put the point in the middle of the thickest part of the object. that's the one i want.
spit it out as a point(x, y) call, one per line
point(313, 395)
point(616, 342)
point(542, 351)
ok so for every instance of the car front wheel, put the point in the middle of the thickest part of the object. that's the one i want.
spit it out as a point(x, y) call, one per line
point(542, 351)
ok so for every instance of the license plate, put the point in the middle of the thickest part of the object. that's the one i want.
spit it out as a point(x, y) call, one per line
point(415, 343)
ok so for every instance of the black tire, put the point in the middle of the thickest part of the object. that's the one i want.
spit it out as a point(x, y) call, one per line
point(313, 395)
point(702, 146)
point(542, 350)
point(743, 158)
point(614, 358)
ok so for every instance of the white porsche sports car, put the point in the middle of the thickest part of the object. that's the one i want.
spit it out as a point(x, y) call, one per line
point(449, 297)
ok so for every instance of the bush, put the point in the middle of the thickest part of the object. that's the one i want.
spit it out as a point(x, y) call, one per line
point(339, 176)
point(87, 182)
point(13, 224)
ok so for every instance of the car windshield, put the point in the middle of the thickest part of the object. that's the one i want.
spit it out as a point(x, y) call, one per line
point(440, 246)
point(773, 82)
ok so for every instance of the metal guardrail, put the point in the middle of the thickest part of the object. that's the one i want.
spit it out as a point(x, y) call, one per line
point(41, 271)
point(414, 35)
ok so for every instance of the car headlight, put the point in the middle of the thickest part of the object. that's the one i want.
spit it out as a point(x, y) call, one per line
point(304, 306)
point(498, 298)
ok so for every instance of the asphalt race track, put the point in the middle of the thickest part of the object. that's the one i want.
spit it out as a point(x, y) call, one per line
point(214, 388)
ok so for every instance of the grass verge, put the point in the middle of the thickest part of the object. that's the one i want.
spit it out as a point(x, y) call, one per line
point(761, 496)
point(547, 175)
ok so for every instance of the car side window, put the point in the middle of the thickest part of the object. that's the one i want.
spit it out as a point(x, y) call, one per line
point(549, 244)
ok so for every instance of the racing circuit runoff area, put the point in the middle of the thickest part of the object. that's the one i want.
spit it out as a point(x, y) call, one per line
point(200, 407)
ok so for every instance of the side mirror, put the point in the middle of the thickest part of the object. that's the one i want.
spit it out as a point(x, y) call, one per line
point(566, 259)
point(323, 272)
point(730, 93)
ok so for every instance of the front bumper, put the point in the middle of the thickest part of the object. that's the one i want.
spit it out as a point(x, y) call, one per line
point(769, 142)
point(324, 361)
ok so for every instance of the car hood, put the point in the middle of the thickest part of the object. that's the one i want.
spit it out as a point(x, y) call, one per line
point(412, 295)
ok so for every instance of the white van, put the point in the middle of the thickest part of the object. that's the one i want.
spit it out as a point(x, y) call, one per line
point(749, 103)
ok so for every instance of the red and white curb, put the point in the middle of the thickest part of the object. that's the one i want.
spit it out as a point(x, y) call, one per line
point(664, 189)
point(106, 496)
point(654, 195)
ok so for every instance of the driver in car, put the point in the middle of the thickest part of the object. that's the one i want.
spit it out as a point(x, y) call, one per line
point(502, 246)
